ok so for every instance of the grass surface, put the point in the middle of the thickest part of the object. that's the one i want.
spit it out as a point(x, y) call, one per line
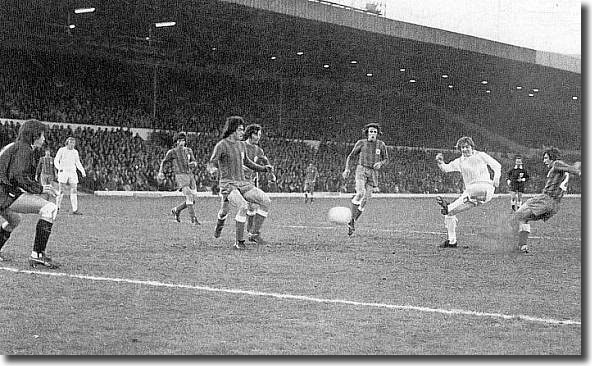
point(135, 282)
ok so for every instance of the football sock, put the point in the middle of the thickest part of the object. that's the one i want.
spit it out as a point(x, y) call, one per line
point(191, 210)
point(257, 223)
point(450, 224)
point(42, 232)
point(74, 201)
point(250, 220)
point(4, 235)
point(240, 231)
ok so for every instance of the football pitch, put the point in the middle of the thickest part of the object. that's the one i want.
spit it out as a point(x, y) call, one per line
point(135, 282)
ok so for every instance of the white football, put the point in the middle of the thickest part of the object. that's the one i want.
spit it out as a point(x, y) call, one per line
point(339, 215)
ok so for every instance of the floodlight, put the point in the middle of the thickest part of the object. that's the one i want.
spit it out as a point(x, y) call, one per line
point(84, 10)
point(164, 24)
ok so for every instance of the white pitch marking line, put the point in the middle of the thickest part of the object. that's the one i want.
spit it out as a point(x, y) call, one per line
point(303, 298)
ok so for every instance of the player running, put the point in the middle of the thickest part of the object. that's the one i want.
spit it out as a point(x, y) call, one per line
point(228, 158)
point(372, 156)
point(183, 161)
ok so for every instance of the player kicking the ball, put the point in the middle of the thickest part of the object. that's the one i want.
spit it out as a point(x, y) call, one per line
point(479, 187)
point(546, 204)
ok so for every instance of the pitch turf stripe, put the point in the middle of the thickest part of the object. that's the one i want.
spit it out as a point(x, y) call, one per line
point(304, 298)
point(419, 232)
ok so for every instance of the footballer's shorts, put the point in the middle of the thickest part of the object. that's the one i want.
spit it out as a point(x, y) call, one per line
point(241, 186)
point(309, 185)
point(517, 187)
point(185, 180)
point(67, 177)
point(474, 194)
point(46, 179)
point(538, 207)
point(364, 176)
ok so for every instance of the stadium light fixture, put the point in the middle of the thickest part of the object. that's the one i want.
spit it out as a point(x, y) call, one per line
point(369, 74)
point(164, 24)
point(450, 86)
point(519, 87)
point(484, 82)
point(488, 91)
point(535, 90)
point(412, 81)
point(574, 98)
point(402, 70)
point(72, 26)
point(300, 53)
point(353, 62)
point(444, 76)
point(84, 10)
point(531, 95)
point(326, 66)
point(273, 57)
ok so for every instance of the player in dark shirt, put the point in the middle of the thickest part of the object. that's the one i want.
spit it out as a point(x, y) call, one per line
point(372, 156)
point(546, 204)
point(517, 177)
point(20, 193)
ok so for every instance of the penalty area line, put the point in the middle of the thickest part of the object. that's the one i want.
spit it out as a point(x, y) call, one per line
point(303, 298)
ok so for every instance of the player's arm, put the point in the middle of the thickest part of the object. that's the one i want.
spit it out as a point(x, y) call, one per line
point(563, 184)
point(57, 161)
point(494, 165)
point(38, 170)
point(262, 158)
point(192, 161)
point(384, 155)
point(256, 167)
point(447, 168)
point(213, 163)
point(21, 171)
point(564, 167)
point(167, 157)
point(78, 164)
point(355, 151)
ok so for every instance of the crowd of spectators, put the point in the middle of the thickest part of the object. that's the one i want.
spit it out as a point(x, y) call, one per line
point(115, 159)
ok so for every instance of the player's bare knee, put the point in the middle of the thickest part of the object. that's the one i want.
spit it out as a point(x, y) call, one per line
point(48, 211)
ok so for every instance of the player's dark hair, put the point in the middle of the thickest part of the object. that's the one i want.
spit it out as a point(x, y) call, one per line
point(553, 152)
point(30, 131)
point(180, 136)
point(518, 157)
point(251, 129)
point(231, 125)
point(367, 127)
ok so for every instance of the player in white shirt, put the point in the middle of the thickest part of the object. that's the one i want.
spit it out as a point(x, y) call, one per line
point(479, 187)
point(66, 161)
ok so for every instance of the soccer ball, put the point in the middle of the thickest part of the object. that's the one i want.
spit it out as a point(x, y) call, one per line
point(339, 215)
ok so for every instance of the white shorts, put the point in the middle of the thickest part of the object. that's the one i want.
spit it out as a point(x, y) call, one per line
point(474, 195)
point(68, 177)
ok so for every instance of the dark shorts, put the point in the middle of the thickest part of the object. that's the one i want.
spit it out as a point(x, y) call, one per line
point(539, 207)
point(517, 187)
point(8, 195)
